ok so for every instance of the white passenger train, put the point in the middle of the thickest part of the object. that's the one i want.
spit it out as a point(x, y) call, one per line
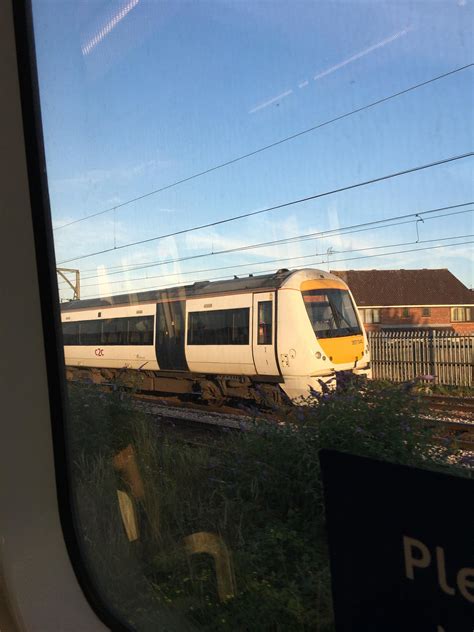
point(255, 337)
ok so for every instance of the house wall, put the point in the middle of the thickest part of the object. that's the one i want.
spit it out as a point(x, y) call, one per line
point(439, 317)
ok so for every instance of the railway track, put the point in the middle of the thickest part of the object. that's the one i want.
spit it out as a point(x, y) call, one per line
point(193, 415)
point(462, 407)
point(460, 432)
point(205, 416)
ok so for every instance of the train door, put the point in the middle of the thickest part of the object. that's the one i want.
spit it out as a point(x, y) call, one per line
point(264, 318)
point(170, 336)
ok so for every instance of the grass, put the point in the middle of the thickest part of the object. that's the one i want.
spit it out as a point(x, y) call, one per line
point(258, 492)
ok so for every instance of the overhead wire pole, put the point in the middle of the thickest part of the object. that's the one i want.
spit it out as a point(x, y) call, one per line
point(76, 286)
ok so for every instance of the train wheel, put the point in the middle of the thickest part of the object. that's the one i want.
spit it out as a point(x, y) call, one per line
point(211, 392)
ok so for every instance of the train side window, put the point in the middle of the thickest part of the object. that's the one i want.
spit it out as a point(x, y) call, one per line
point(90, 332)
point(140, 330)
point(219, 327)
point(70, 333)
point(265, 323)
point(110, 335)
point(240, 327)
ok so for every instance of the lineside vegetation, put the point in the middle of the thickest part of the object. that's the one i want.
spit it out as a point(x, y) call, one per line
point(259, 491)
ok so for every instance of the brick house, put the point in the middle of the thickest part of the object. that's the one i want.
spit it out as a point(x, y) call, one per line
point(409, 299)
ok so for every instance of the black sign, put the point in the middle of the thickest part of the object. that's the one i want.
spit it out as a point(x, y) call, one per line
point(401, 544)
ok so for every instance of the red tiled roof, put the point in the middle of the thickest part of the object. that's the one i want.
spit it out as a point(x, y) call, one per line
point(406, 287)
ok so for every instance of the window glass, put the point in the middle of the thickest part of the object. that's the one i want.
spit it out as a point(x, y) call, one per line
point(71, 333)
point(114, 331)
point(219, 327)
point(110, 331)
point(265, 322)
point(203, 155)
point(89, 332)
point(140, 330)
point(331, 312)
point(461, 314)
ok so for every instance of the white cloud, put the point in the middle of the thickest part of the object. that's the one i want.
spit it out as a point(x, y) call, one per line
point(92, 177)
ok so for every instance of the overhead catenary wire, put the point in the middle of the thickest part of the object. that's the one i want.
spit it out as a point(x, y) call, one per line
point(235, 266)
point(316, 196)
point(269, 146)
point(361, 227)
point(322, 262)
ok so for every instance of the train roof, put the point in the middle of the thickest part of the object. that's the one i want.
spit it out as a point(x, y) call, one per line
point(258, 282)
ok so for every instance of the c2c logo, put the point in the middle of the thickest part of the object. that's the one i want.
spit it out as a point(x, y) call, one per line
point(99, 352)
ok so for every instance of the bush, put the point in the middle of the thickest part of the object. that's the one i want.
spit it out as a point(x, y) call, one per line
point(259, 490)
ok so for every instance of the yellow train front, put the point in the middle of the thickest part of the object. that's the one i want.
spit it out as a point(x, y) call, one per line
point(319, 333)
point(256, 337)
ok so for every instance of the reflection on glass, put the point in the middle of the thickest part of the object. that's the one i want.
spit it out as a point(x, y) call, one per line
point(209, 165)
point(331, 313)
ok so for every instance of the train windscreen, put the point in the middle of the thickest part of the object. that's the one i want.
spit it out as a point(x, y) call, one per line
point(331, 313)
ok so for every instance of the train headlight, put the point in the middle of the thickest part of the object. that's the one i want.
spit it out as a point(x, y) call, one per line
point(318, 355)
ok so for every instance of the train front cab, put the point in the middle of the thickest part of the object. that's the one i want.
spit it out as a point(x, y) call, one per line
point(326, 336)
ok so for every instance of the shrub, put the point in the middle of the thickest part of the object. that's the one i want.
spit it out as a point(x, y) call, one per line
point(259, 490)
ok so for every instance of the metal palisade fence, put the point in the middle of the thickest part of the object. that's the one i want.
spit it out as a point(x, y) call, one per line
point(405, 355)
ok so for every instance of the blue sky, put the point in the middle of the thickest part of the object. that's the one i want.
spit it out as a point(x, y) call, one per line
point(136, 95)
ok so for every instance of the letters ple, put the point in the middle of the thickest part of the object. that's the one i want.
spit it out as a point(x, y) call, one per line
point(417, 556)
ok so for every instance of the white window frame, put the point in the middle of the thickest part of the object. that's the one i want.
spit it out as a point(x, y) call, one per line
point(460, 314)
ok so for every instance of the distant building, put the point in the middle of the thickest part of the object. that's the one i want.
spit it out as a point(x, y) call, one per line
point(408, 299)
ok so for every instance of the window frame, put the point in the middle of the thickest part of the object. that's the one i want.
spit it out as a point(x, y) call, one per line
point(465, 313)
point(371, 316)
point(44, 579)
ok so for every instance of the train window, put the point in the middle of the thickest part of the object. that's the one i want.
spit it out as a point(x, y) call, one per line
point(111, 331)
point(114, 331)
point(331, 312)
point(201, 156)
point(90, 332)
point(265, 309)
point(140, 330)
point(71, 333)
point(219, 327)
